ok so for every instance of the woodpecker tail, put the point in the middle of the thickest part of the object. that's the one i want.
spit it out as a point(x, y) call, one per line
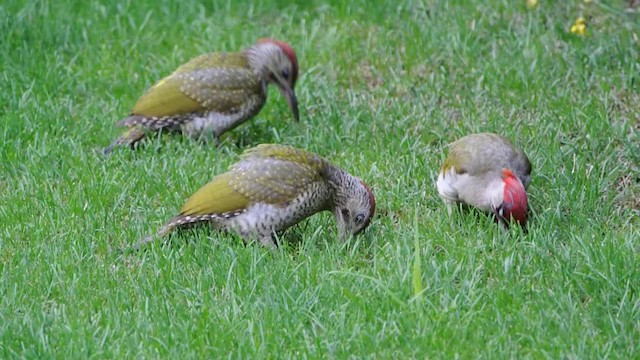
point(164, 230)
point(129, 137)
point(176, 222)
point(148, 239)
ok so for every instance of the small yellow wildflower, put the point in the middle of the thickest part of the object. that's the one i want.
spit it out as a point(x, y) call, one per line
point(579, 27)
point(531, 4)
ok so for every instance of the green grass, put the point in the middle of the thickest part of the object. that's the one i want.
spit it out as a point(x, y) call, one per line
point(383, 88)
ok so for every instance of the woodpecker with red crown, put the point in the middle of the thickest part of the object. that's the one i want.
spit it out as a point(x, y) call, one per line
point(272, 188)
point(488, 172)
point(214, 93)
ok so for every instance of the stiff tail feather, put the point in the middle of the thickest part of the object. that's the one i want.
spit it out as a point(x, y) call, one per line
point(130, 137)
point(149, 238)
point(178, 221)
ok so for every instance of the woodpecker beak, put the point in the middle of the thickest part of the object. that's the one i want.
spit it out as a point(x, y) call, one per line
point(503, 221)
point(290, 95)
point(344, 227)
point(499, 214)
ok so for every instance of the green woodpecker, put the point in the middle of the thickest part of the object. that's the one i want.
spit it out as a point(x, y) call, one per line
point(488, 172)
point(271, 188)
point(214, 93)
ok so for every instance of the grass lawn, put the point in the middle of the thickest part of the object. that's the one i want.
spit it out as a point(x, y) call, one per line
point(383, 88)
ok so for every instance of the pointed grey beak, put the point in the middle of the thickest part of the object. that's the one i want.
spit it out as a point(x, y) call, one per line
point(290, 95)
point(344, 228)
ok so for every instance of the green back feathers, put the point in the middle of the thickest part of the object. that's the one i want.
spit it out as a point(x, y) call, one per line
point(220, 82)
point(272, 174)
point(216, 197)
point(286, 153)
point(479, 153)
point(226, 60)
point(165, 99)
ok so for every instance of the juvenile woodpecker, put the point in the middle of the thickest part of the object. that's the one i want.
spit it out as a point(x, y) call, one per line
point(488, 172)
point(214, 93)
point(271, 188)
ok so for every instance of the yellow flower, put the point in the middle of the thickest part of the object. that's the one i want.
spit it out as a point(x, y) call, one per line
point(531, 4)
point(579, 27)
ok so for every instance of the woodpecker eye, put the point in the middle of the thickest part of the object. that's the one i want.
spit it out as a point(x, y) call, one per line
point(285, 73)
point(359, 219)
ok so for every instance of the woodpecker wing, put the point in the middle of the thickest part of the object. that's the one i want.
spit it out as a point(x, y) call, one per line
point(270, 174)
point(216, 197)
point(478, 154)
point(276, 174)
point(220, 82)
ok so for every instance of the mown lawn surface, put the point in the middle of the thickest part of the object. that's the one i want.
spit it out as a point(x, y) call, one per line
point(384, 86)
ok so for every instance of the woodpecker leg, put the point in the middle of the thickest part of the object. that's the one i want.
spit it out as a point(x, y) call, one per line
point(450, 205)
point(267, 241)
point(264, 237)
point(203, 137)
point(206, 139)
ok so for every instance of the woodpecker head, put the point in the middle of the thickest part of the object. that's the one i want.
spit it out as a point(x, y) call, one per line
point(355, 209)
point(514, 205)
point(282, 66)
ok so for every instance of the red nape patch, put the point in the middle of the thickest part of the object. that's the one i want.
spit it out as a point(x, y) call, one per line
point(288, 50)
point(514, 201)
point(372, 202)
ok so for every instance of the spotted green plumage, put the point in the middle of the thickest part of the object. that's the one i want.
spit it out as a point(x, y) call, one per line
point(268, 173)
point(218, 81)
